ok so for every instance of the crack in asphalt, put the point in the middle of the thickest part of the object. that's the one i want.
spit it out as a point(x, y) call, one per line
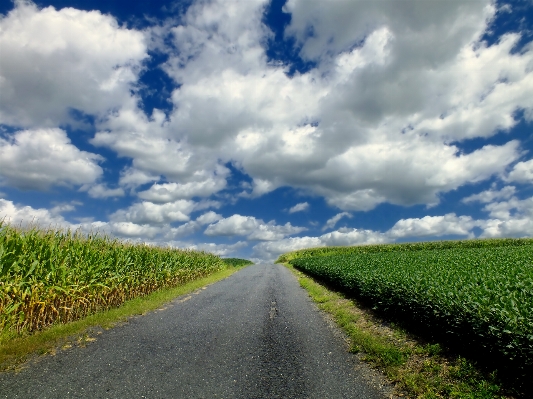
point(273, 310)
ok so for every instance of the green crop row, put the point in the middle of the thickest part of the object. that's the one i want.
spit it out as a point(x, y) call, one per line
point(236, 262)
point(405, 247)
point(479, 296)
point(52, 276)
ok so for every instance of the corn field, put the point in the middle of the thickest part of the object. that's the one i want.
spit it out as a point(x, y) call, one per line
point(51, 276)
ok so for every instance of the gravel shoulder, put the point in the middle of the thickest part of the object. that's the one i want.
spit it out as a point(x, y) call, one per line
point(255, 334)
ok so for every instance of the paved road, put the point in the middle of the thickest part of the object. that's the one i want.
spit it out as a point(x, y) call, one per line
point(254, 335)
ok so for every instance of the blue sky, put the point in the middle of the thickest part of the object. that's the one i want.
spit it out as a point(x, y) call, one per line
point(252, 128)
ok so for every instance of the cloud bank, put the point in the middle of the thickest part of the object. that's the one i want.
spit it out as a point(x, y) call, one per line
point(384, 114)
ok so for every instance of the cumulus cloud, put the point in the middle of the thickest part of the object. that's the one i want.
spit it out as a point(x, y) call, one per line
point(491, 195)
point(167, 192)
point(515, 227)
point(208, 218)
point(54, 61)
point(193, 226)
point(152, 155)
point(189, 171)
point(132, 178)
point(510, 218)
point(400, 86)
point(302, 206)
point(17, 214)
point(102, 191)
point(149, 213)
point(271, 250)
point(393, 82)
point(428, 226)
point(338, 27)
point(434, 226)
point(40, 158)
point(333, 221)
point(252, 228)
point(395, 90)
point(522, 172)
point(132, 230)
point(217, 249)
point(373, 122)
point(512, 208)
point(26, 215)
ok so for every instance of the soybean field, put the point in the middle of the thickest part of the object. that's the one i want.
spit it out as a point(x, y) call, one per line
point(477, 294)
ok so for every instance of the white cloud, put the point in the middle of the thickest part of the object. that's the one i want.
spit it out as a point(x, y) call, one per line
point(433, 226)
point(54, 61)
point(344, 237)
point(512, 208)
point(102, 191)
point(491, 195)
point(189, 171)
point(373, 122)
point(132, 178)
point(254, 229)
point(26, 215)
point(521, 173)
point(16, 214)
point(511, 218)
point(64, 207)
point(391, 174)
point(40, 158)
point(167, 192)
point(149, 213)
point(393, 82)
point(217, 249)
point(302, 206)
point(193, 226)
point(133, 230)
point(333, 221)
point(151, 154)
point(337, 27)
point(516, 227)
point(397, 88)
point(208, 218)
point(271, 250)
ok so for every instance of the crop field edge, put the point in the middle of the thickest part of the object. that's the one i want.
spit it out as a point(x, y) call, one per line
point(416, 368)
point(409, 246)
point(16, 351)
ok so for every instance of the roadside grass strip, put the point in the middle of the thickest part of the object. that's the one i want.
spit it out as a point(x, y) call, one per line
point(418, 368)
point(53, 276)
point(16, 348)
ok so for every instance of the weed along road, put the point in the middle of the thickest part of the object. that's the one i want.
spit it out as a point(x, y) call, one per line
point(255, 334)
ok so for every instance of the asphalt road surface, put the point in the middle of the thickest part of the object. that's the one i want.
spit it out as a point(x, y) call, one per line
point(255, 334)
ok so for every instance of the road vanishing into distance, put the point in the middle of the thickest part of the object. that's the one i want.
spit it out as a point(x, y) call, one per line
point(255, 334)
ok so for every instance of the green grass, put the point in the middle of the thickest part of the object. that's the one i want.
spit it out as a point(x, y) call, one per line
point(52, 276)
point(17, 348)
point(417, 368)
